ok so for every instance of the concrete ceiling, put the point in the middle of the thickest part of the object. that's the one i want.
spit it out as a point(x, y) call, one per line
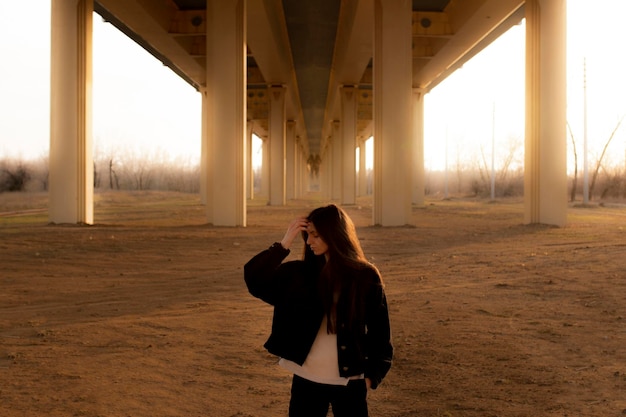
point(312, 47)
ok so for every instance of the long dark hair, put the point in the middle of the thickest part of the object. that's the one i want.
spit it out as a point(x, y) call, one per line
point(339, 288)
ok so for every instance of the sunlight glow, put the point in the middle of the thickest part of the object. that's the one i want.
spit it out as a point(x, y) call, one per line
point(257, 152)
point(139, 104)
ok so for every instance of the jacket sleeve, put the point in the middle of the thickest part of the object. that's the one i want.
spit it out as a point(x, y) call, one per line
point(262, 273)
point(380, 348)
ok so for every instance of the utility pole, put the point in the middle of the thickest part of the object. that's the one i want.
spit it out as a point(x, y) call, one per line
point(493, 152)
point(585, 165)
point(446, 165)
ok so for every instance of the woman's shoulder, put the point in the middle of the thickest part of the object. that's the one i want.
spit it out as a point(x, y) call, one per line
point(291, 266)
point(294, 264)
point(370, 272)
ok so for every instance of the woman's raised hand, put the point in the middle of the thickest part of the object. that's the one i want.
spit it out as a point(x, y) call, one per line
point(295, 227)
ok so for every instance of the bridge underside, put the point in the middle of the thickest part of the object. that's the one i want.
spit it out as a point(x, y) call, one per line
point(313, 79)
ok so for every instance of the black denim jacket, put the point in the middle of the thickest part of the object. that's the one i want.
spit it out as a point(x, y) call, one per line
point(292, 289)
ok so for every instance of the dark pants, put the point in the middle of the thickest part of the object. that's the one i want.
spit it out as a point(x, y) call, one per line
point(310, 399)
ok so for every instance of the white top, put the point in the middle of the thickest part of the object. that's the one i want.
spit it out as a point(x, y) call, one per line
point(321, 364)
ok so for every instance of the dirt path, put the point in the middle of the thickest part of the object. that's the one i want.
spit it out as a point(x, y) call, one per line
point(146, 314)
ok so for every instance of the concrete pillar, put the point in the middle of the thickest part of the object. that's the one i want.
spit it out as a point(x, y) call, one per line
point(418, 154)
point(336, 179)
point(348, 138)
point(321, 183)
point(393, 138)
point(265, 169)
point(249, 168)
point(277, 137)
point(311, 182)
point(226, 119)
point(326, 174)
point(545, 171)
point(362, 180)
point(297, 167)
point(290, 150)
point(307, 179)
point(71, 156)
point(204, 147)
point(303, 180)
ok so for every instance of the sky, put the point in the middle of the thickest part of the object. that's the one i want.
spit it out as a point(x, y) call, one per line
point(483, 102)
point(479, 105)
point(141, 107)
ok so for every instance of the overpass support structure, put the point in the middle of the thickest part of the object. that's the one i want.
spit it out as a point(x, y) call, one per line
point(393, 137)
point(71, 156)
point(545, 170)
point(225, 125)
point(398, 113)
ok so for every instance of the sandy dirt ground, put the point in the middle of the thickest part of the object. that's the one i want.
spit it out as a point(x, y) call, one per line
point(146, 313)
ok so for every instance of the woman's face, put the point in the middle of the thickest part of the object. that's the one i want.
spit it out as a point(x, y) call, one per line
point(318, 246)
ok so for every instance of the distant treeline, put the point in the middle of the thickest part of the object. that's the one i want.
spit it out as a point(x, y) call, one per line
point(133, 173)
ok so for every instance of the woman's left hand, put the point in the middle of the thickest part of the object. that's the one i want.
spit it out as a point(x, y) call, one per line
point(295, 227)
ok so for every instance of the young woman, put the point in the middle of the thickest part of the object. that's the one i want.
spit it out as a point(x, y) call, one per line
point(331, 323)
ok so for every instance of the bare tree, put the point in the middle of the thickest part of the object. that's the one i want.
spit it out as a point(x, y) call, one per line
point(14, 178)
point(113, 175)
point(509, 158)
point(599, 163)
point(613, 185)
point(575, 181)
point(96, 176)
point(459, 166)
point(483, 170)
point(142, 175)
point(41, 171)
point(506, 183)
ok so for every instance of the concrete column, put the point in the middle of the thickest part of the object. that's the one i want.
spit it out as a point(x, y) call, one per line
point(326, 174)
point(362, 182)
point(265, 169)
point(348, 138)
point(393, 138)
point(290, 147)
point(204, 147)
point(277, 124)
point(304, 173)
point(249, 168)
point(226, 133)
point(71, 155)
point(336, 179)
point(310, 181)
point(418, 155)
point(303, 179)
point(297, 167)
point(321, 182)
point(545, 171)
